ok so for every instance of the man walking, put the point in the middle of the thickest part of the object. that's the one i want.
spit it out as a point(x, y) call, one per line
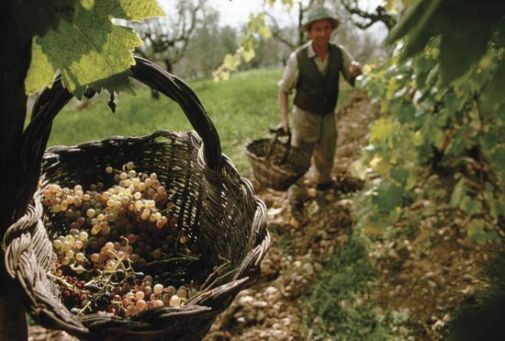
point(313, 71)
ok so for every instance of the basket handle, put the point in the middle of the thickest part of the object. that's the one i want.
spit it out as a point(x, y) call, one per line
point(51, 100)
point(166, 83)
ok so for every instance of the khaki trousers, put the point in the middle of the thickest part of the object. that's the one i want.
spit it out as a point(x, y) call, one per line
point(316, 134)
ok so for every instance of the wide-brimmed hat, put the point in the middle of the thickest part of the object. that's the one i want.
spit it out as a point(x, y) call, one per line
point(319, 13)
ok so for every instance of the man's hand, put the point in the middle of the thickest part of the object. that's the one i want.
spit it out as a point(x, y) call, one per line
point(355, 69)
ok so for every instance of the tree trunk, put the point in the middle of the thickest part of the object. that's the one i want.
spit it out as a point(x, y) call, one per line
point(14, 61)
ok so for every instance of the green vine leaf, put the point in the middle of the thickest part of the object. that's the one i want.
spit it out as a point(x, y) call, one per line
point(496, 88)
point(458, 52)
point(470, 206)
point(381, 129)
point(464, 38)
point(458, 193)
point(89, 47)
point(388, 197)
point(477, 233)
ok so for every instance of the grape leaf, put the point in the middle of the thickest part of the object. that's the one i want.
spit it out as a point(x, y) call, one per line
point(477, 232)
point(265, 32)
point(400, 175)
point(458, 193)
point(48, 16)
point(248, 54)
point(464, 38)
point(458, 52)
point(89, 47)
point(381, 129)
point(499, 37)
point(231, 61)
point(388, 197)
point(415, 17)
point(421, 24)
point(498, 158)
point(469, 205)
point(494, 91)
point(287, 3)
point(120, 82)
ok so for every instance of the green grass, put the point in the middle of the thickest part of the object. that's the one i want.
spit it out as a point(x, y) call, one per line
point(335, 295)
point(241, 108)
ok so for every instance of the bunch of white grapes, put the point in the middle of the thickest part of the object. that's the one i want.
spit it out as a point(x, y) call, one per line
point(104, 236)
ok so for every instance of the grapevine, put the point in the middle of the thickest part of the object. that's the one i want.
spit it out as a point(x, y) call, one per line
point(436, 143)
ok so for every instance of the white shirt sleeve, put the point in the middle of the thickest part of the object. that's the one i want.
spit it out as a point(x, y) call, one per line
point(346, 64)
point(290, 75)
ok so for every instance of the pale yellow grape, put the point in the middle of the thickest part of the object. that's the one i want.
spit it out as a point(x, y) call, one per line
point(80, 257)
point(148, 290)
point(140, 305)
point(139, 295)
point(66, 246)
point(175, 301)
point(83, 236)
point(78, 244)
point(96, 229)
point(90, 213)
point(57, 244)
point(158, 288)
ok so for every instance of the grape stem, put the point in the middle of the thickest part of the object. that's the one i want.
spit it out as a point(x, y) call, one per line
point(61, 280)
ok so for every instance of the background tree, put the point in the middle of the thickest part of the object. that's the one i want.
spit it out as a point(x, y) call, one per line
point(365, 18)
point(166, 39)
point(207, 47)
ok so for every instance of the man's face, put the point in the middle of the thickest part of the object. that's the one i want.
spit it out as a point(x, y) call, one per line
point(320, 32)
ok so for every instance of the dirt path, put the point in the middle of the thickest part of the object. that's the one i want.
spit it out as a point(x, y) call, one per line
point(271, 309)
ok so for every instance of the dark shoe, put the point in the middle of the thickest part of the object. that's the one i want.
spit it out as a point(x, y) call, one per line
point(296, 207)
point(296, 211)
point(324, 186)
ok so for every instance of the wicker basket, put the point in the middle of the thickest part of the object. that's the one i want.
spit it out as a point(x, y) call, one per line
point(215, 204)
point(275, 162)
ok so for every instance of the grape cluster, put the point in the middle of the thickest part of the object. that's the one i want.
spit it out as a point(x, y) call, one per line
point(107, 237)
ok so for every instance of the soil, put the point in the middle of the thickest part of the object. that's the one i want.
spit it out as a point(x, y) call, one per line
point(425, 276)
